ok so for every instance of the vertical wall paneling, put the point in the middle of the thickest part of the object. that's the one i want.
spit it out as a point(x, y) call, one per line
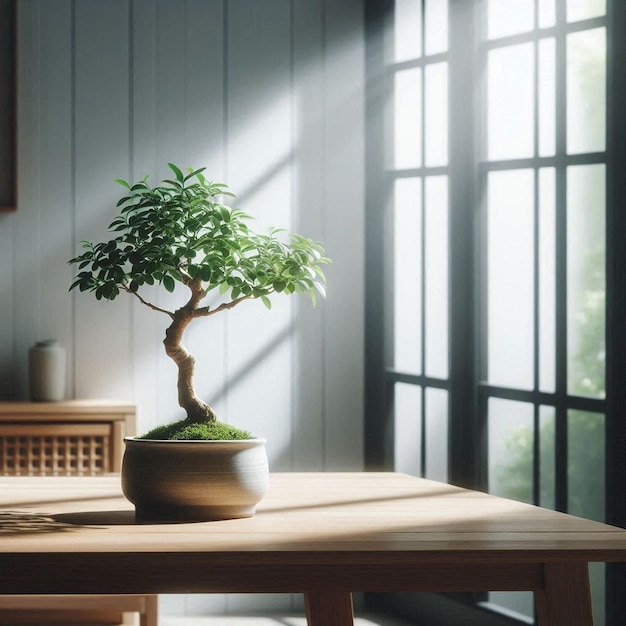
point(27, 236)
point(7, 343)
point(171, 146)
point(344, 232)
point(147, 325)
point(205, 137)
point(259, 171)
point(7, 347)
point(307, 449)
point(101, 59)
point(205, 148)
point(55, 195)
point(267, 95)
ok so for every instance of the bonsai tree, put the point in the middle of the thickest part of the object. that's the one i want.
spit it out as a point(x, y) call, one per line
point(180, 232)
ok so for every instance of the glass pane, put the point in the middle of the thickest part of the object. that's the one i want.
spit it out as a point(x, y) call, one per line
point(436, 101)
point(407, 275)
point(586, 91)
point(407, 30)
point(408, 118)
point(518, 604)
point(585, 9)
point(510, 102)
point(408, 429)
point(437, 434)
point(436, 276)
point(511, 449)
point(510, 249)
point(510, 458)
point(597, 580)
point(547, 279)
point(586, 484)
point(547, 13)
point(586, 280)
point(547, 102)
point(585, 464)
point(547, 484)
point(508, 17)
point(436, 26)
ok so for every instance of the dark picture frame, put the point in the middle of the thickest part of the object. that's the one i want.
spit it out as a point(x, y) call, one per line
point(8, 105)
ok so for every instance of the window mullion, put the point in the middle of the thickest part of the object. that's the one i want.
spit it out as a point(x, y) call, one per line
point(465, 460)
point(378, 431)
point(536, 473)
point(561, 262)
point(616, 301)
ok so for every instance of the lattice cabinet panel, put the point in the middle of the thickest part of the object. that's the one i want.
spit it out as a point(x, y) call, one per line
point(70, 438)
point(55, 450)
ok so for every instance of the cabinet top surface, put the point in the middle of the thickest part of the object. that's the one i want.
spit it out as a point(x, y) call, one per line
point(66, 407)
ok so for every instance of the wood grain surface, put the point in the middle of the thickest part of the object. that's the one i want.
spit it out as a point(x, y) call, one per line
point(313, 532)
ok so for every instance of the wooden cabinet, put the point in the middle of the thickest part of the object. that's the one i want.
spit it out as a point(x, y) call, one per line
point(75, 437)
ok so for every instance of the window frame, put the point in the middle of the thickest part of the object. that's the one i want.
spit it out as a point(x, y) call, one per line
point(468, 394)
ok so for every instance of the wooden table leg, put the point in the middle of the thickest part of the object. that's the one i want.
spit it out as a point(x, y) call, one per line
point(566, 597)
point(329, 609)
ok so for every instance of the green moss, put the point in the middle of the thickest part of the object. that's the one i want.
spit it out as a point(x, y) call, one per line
point(184, 430)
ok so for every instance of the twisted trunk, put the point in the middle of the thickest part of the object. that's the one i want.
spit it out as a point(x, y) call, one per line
point(196, 409)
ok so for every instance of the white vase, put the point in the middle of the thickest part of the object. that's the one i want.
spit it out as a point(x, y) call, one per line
point(46, 371)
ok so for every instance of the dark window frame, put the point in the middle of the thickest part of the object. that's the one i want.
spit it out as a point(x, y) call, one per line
point(467, 400)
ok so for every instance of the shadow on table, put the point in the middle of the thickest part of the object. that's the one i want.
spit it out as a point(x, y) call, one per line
point(18, 522)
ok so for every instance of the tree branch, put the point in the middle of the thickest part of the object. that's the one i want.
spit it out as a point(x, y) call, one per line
point(205, 311)
point(148, 304)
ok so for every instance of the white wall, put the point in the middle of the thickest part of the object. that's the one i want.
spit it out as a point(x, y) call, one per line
point(269, 95)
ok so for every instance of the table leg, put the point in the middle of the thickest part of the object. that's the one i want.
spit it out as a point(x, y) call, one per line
point(329, 609)
point(566, 597)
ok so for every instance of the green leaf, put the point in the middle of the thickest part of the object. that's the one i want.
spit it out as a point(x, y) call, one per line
point(122, 182)
point(321, 289)
point(267, 302)
point(168, 283)
point(179, 175)
point(226, 215)
point(194, 173)
point(76, 283)
point(178, 229)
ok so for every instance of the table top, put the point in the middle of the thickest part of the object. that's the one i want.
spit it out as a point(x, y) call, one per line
point(84, 524)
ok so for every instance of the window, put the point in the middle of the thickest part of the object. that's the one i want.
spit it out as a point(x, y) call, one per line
point(489, 196)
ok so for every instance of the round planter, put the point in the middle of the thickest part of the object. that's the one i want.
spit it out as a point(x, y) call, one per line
point(194, 480)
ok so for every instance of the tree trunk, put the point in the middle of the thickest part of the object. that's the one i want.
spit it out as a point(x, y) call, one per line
point(196, 409)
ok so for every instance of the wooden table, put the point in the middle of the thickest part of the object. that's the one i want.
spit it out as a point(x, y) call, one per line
point(324, 535)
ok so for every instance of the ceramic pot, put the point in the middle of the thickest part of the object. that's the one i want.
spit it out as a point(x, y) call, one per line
point(46, 371)
point(194, 480)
